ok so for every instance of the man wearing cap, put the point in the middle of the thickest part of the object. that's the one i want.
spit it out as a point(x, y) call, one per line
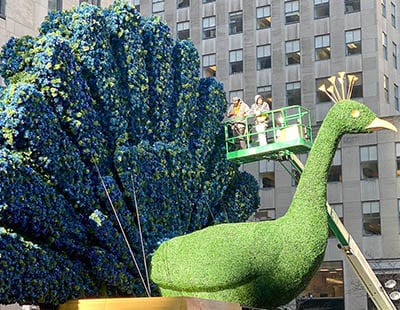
point(237, 112)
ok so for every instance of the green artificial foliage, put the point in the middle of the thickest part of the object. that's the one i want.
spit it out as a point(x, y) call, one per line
point(106, 96)
point(263, 264)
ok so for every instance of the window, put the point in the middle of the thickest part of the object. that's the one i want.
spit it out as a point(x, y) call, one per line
point(321, 8)
point(398, 159)
point(371, 216)
point(351, 6)
point(358, 86)
point(263, 17)
point(394, 47)
point(266, 92)
point(209, 27)
point(209, 65)
point(322, 47)
point(235, 93)
point(353, 42)
point(383, 6)
point(386, 88)
point(235, 22)
point(158, 6)
point(292, 12)
point(369, 162)
point(136, 3)
point(3, 8)
point(338, 208)
point(396, 97)
point(321, 96)
point(398, 208)
point(384, 274)
point(335, 171)
point(393, 15)
point(327, 283)
point(293, 94)
point(183, 30)
point(183, 4)
point(385, 45)
point(207, 1)
point(263, 57)
point(295, 174)
point(265, 214)
point(94, 2)
point(267, 173)
point(292, 49)
point(235, 61)
point(54, 5)
point(356, 91)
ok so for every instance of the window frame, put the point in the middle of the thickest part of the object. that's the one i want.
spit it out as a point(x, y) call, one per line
point(136, 3)
point(267, 173)
point(336, 168)
point(57, 3)
point(386, 88)
point(292, 52)
point(236, 93)
point(370, 162)
point(235, 22)
point(3, 9)
point(292, 91)
point(352, 6)
point(157, 6)
point(396, 97)
point(180, 4)
point(292, 12)
point(353, 42)
point(321, 5)
point(209, 64)
point(98, 2)
point(385, 45)
point(393, 15)
point(266, 92)
point(397, 156)
point(263, 20)
point(210, 28)
point(263, 61)
point(321, 48)
point(371, 205)
point(383, 6)
point(339, 210)
point(184, 33)
point(237, 62)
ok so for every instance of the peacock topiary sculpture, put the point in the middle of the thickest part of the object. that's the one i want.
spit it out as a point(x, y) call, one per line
point(267, 264)
point(106, 96)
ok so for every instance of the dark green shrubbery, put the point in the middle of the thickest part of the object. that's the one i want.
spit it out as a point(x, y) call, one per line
point(106, 89)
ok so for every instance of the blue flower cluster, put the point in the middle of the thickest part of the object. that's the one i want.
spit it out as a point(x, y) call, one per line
point(105, 110)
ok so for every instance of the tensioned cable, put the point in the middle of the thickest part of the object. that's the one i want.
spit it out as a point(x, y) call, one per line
point(140, 234)
point(122, 230)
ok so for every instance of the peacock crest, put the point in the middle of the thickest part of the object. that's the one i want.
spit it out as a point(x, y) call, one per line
point(336, 90)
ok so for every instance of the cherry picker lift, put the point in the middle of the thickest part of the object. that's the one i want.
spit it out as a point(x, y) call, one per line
point(288, 132)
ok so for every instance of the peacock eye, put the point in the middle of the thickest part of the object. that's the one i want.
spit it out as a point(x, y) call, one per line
point(355, 113)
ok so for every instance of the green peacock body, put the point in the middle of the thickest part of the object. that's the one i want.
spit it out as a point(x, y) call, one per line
point(264, 264)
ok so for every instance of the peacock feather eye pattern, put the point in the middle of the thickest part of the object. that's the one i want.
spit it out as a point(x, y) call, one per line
point(106, 89)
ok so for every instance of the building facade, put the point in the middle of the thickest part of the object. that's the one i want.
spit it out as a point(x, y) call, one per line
point(285, 50)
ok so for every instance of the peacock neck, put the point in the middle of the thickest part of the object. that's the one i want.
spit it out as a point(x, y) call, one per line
point(311, 190)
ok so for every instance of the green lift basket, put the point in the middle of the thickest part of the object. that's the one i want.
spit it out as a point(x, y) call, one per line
point(285, 131)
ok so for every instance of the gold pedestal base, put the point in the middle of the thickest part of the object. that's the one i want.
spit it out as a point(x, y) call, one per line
point(151, 303)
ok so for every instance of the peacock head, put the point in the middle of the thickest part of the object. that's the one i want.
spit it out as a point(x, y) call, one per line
point(347, 115)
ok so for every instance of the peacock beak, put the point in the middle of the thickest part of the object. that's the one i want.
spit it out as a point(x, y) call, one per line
point(379, 124)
